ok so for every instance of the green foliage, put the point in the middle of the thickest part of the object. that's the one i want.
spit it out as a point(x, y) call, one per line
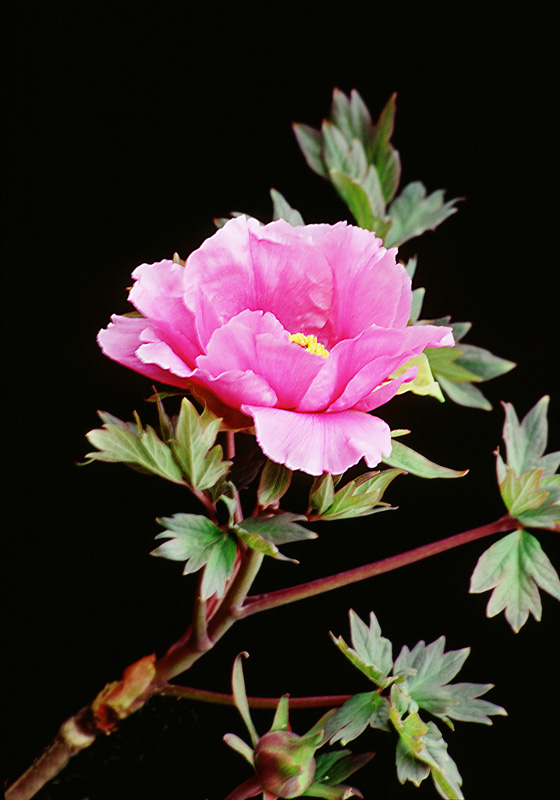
point(274, 483)
point(281, 209)
point(129, 443)
point(357, 157)
point(265, 533)
point(357, 498)
point(334, 767)
point(412, 213)
point(515, 567)
point(408, 460)
point(197, 541)
point(185, 453)
point(418, 679)
point(193, 446)
point(429, 670)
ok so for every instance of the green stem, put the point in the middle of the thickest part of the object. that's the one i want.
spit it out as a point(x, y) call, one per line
point(263, 602)
point(222, 699)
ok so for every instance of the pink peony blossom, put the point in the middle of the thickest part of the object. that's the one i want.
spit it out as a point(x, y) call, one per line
point(294, 331)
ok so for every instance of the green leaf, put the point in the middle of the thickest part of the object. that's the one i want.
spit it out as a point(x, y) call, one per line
point(310, 143)
point(367, 709)
point(413, 213)
point(445, 775)
point(355, 198)
point(129, 443)
point(515, 567)
point(279, 528)
point(340, 115)
point(240, 696)
point(334, 767)
point(524, 493)
point(197, 541)
point(382, 153)
point(417, 300)
point(526, 441)
point(484, 364)
point(464, 394)
point(281, 209)
point(371, 653)
point(359, 497)
point(335, 148)
point(405, 458)
point(429, 669)
point(195, 434)
point(444, 364)
point(321, 495)
point(274, 483)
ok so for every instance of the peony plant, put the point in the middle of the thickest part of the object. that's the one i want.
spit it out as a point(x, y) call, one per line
point(291, 335)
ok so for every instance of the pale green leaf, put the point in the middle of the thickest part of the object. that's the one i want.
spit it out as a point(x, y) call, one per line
point(405, 458)
point(482, 362)
point(367, 709)
point(515, 567)
point(195, 434)
point(274, 483)
point(464, 394)
point(413, 213)
point(281, 209)
point(130, 444)
point(310, 143)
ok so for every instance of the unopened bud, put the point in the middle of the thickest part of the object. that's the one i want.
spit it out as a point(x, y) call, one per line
point(285, 763)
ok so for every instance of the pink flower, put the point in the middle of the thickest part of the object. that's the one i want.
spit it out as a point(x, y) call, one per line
point(292, 330)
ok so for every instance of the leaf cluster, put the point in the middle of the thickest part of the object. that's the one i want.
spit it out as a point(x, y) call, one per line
point(416, 679)
point(516, 566)
point(357, 157)
point(185, 453)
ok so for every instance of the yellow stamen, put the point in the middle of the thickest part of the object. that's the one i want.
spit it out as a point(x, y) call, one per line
point(309, 343)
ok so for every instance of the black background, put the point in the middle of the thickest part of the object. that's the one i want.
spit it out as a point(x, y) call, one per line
point(129, 133)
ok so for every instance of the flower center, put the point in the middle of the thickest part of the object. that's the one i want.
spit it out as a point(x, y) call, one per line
point(309, 343)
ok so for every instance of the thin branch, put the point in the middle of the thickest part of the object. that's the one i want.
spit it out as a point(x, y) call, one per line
point(263, 602)
point(222, 699)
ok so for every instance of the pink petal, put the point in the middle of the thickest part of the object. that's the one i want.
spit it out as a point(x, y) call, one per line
point(273, 267)
point(120, 341)
point(317, 443)
point(256, 342)
point(159, 294)
point(370, 288)
point(355, 367)
point(155, 350)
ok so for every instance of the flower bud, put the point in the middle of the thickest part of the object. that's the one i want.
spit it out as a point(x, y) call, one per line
point(285, 763)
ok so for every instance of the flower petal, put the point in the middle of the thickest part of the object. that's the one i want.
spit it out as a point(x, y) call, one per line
point(159, 294)
point(356, 367)
point(370, 288)
point(273, 267)
point(256, 342)
point(317, 443)
point(120, 341)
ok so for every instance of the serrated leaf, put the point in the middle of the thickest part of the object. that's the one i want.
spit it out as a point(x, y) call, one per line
point(197, 541)
point(429, 669)
point(409, 460)
point(482, 362)
point(445, 775)
point(526, 441)
point(522, 493)
point(382, 153)
point(413, 213)
point(195, 434)
point(367, 709)
point(370, 648)
point(464, 394)
point(281, 209)
point(515, 567)
point(130, 444)
point(274, 483)
point(310, 143)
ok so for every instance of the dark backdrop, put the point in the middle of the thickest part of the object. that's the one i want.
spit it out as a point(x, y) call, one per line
point(130, 132)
